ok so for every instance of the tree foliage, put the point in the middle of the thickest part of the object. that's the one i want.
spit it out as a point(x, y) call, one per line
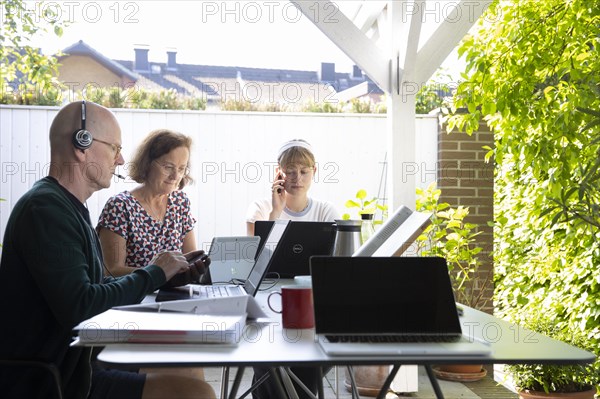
point(533, 74)
point(27, 75)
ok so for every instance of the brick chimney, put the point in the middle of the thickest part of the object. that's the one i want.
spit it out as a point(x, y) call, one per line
point(171, 59)
point(141, 63)
point(327, 72)
point(356, 72)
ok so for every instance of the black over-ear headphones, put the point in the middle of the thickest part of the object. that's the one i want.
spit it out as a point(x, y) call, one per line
point(82, 138)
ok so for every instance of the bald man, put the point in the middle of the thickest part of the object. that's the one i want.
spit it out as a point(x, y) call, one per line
point(51, 271)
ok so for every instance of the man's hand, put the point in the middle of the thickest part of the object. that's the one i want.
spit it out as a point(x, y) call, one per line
point(197, 264)
point(171, 262)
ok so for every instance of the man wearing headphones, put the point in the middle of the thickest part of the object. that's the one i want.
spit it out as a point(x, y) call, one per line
point(51, 271)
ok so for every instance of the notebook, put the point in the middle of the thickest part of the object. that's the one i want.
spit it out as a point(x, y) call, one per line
point(198, 297)
point(363, 303)
point(231, 259)
point(303, 240)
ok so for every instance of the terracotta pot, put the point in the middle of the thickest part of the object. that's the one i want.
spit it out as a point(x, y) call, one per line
point(369, 379)
point(460, 372)
point(527, 394)
point(460, 368)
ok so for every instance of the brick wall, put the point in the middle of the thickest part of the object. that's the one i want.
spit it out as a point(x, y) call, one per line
point(466, 179)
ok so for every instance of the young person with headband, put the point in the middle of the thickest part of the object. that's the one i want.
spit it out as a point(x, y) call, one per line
point(290, 201)
point(289, 191)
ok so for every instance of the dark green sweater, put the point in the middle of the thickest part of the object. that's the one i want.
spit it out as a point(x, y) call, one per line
point(51, 279)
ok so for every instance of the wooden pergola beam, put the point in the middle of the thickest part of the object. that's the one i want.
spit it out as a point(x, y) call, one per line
point(399, 69)
point(447, 36)
point(351, 40)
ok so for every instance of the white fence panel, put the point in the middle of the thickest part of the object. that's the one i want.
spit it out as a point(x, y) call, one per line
point(233, 157)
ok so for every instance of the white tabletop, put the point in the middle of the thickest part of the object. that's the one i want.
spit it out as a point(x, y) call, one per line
point(267, 343)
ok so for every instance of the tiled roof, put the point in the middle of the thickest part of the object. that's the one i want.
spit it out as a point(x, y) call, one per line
point(216, 81)
point(345, 81)
point(202, 76)
point(81, 48)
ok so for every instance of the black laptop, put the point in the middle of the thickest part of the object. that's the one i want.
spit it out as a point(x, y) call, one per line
point(267, 254)
point(302, 240)
point(388, 306)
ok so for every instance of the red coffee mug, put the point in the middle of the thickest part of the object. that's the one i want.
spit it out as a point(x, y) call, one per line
point(296, 306)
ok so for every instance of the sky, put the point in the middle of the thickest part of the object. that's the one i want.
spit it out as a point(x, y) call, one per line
point(264, 34)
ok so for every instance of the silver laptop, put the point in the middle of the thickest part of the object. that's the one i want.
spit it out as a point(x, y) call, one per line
point(397, 235)
point(250, 285)
point(231, 259)
point(388, 306)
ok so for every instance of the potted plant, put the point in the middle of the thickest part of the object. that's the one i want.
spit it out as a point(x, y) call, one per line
point(537, 381)
point(450, 237)
point(365, 206)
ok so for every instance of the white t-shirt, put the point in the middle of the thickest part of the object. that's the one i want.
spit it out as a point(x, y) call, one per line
point(316, 211)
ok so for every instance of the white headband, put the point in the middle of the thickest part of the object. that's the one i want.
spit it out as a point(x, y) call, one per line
point(293, 143)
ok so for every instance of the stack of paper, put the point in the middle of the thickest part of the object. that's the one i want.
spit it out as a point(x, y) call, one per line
point(151, 326)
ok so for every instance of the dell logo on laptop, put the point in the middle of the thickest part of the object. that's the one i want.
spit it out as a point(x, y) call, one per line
point(297, 248)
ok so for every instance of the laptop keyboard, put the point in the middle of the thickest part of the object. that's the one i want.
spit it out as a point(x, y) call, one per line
point(389, 338)
point(218, 291)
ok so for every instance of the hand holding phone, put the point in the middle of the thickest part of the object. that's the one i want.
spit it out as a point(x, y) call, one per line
point(201, 256)
point(280, 176)
point(197, 265)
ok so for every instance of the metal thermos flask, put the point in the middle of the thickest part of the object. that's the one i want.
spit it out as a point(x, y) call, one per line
point(347, 237)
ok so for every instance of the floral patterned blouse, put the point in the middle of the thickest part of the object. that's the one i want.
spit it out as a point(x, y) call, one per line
point(124, 215)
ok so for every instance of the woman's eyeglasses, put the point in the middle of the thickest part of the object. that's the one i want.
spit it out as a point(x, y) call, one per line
point(169, 169)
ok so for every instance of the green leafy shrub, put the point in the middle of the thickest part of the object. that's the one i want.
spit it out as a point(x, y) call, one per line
point(165, 99)
point(251, 106)
point(116, 98)
point(94, 94)
point(323, 107)
point(135, 97)
point(431, 96)
point(238, 105)
point(359, 106)
point(194, 103)
point(141, 99)
point(450, 237)
point(550, 378)
point(274, 107)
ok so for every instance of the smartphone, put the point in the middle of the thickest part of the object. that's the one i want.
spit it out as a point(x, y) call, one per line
point(197, 258)
point(280, 176)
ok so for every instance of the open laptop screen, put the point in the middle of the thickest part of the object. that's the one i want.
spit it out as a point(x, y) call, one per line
point(266, 256)
point(303, 240)
point(383, 295)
